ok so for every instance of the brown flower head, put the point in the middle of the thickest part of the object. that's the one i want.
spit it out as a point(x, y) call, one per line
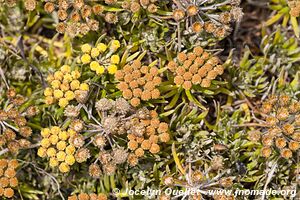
point(195, 68)
point(139, 83)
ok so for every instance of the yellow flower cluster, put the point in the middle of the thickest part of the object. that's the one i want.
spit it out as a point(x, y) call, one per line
point(56, 146)
point(191, 15)
point(195, 68)
point(101, 57)
point(65, 86)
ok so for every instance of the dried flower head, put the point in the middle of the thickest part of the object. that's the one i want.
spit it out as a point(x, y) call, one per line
point(94, 171)
point(30, 4)
point(214, 21)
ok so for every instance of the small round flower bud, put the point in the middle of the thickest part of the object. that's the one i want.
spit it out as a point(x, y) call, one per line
point(294, 146)
point(82, 155)
point(94, 171)
point(135, 7)
point(197, 27)
point(266, 152)
point(64, 167)
point(111, 18)
point(98, 9)
point(152, 8)
point(280, 143)
point(30, 4)
point(254, 135)
point(132, 160)
point(267, 140)
point(178, 14)
point(286, 153)
point(8, 192)
point(61, 28)
point(288, 129)
point(154, 148)
point(139, 152)
point(192, 10)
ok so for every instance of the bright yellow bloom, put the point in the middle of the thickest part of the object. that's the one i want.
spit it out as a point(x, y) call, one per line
point(58, 94)
point(71, 132)
point(102, 47)
point(61, 155)
point(42, 152)
point(85, 58)
point(115, 44)
point(95, 52)
point(112, 69)
point(53, 162)
point(75, 74)
point(64, 135)
point(65, 69)
point(48, 92)
point(75, 85)
point(94, 65)
point(45, 142)
point(67, 78)
point(64, 86)
point(115, 59)
point(86, 48)
point(84, 86)
point(63, 102)
point(69, 95)
point(100, 70)
point(70, 150)
point(61, 145)
point(55, 130)
point(49, 100)
point(55, 84)
point(50, 78)
point(58, 75)
point(45, 132)
point(53, 139)
point(51, 152)
point(64, 167)
point(70, 160)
